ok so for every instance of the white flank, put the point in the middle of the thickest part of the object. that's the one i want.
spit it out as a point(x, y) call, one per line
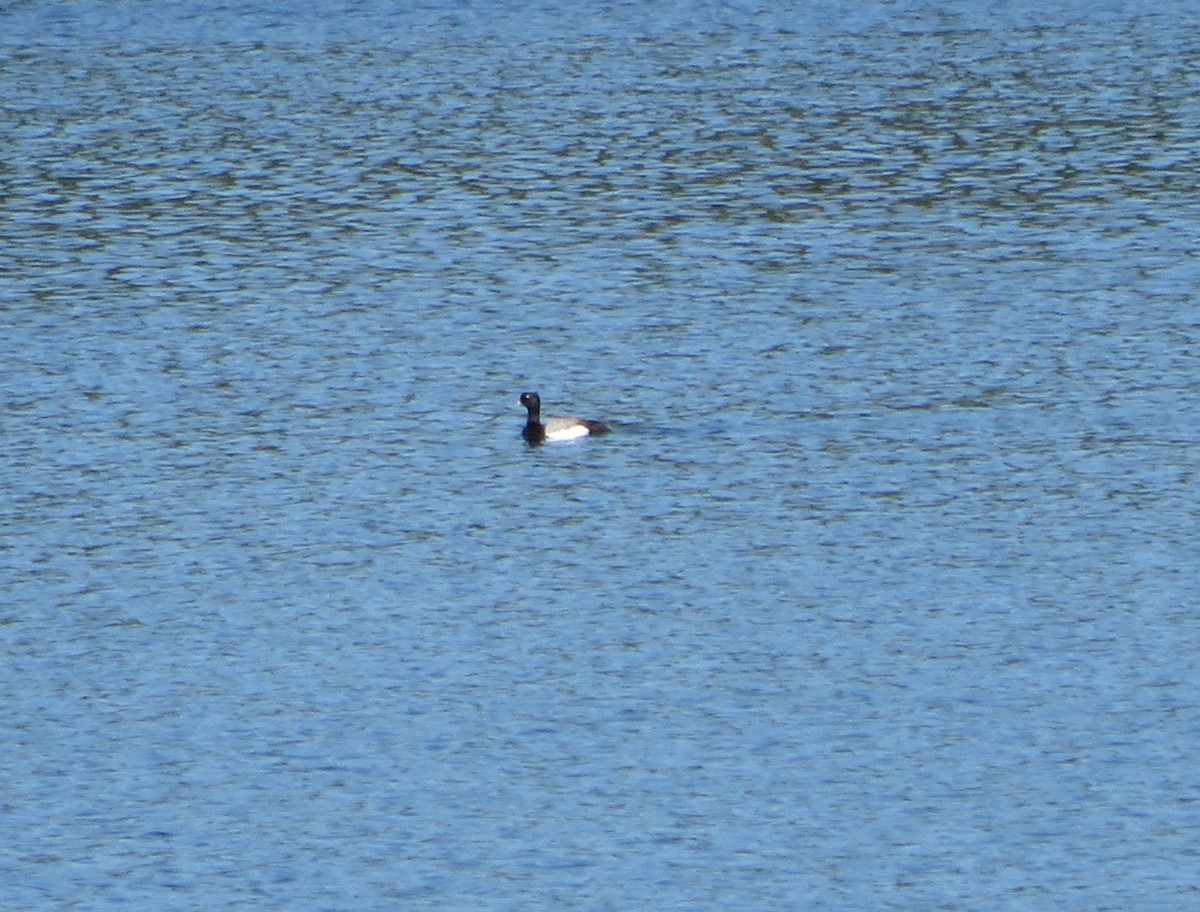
point(567, 433)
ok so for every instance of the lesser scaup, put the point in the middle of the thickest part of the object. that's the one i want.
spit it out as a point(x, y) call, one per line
point(537, 431)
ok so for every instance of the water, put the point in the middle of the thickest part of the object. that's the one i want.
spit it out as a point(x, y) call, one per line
point(881, 595)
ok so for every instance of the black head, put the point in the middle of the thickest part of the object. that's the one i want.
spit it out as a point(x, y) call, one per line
point(532, 402)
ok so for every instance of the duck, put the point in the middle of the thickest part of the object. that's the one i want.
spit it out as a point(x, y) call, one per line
point(554, 429)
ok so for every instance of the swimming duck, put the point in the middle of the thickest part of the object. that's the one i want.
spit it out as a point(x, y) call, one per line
point(553, 429)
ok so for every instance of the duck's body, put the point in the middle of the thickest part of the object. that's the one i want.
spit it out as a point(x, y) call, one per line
point(554, 429)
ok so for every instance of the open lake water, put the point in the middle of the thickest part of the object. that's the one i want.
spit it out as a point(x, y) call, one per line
point(881, 595)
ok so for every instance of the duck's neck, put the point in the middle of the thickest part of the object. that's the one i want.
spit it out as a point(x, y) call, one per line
point(535, 431)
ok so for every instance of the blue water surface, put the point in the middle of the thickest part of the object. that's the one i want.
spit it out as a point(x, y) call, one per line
point(881, 594)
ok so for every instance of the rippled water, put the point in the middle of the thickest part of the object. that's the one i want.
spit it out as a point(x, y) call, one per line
point(879, 597)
